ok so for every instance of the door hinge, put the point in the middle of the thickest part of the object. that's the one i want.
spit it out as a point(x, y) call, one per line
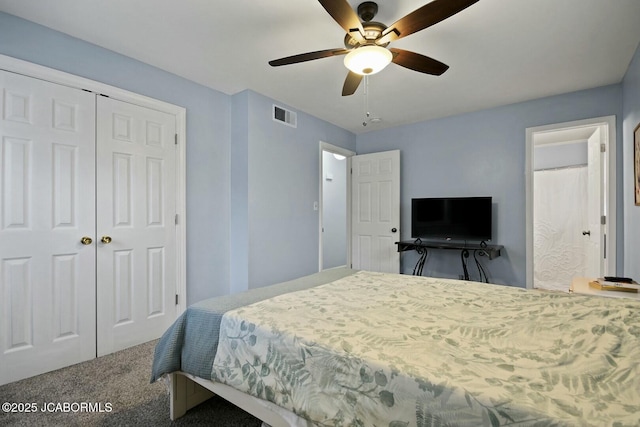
point(603, 219)
point(176, 299)
point(603, 148)
point(176, 219)
point(176, 139)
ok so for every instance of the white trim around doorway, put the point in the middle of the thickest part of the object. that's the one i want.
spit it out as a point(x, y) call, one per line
point(609, 140)
point(325, 146)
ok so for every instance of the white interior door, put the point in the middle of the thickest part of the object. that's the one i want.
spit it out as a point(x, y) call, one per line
point(47, 276)
point(136, 210)
point(375, 214)
point(594, 231)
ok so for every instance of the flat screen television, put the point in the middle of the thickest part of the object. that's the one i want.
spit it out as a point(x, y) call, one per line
point(451, 218)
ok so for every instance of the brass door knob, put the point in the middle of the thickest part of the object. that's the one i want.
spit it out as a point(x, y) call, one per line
point(105, 239)
point(86, 240)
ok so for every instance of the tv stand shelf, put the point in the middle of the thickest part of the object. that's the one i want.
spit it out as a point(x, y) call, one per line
point(491, 251)
point(422, 247)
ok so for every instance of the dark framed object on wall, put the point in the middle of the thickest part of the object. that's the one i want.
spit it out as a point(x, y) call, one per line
point(636, 162)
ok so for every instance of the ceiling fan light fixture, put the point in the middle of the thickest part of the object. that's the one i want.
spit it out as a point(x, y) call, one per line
point(367, 60)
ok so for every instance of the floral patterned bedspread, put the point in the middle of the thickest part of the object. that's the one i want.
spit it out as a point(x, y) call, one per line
point(377, 349)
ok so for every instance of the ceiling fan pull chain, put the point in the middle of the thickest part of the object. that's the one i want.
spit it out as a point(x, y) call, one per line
point(367, 114)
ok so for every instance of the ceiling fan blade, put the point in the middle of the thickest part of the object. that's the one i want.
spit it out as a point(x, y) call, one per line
point(309, 56)
point(351, 83)
point(423, 17)
point(416, 62)
point(346, 17)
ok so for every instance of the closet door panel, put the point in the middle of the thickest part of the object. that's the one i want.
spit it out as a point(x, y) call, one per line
point(136, 270)
point(47, 204)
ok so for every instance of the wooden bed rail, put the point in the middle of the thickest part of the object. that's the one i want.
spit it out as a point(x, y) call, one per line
point(188, 391)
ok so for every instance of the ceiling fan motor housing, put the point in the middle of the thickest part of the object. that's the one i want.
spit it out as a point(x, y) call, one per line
point(367, 10)
point(372, 31)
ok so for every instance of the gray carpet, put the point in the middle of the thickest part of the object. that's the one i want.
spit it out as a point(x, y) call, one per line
point(121, 379)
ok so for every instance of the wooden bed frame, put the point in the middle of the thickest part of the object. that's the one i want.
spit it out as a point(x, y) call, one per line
point(187, 391)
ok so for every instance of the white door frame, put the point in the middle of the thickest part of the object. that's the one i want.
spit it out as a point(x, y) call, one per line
point(14, 65)
point(609, 139)
point(325, 146)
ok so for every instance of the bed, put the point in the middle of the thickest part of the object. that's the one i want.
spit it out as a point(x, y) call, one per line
point(348, 347)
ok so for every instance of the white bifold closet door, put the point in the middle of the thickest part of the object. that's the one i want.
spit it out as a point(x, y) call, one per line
point(136, 214)
point(76, 167)
point(47, 187)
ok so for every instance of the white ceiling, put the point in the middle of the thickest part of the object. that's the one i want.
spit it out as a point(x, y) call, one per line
point(499, 51)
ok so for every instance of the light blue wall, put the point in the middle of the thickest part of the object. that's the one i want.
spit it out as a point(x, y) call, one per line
point(251, 182)
point(631, 115)
point(482, 154)
point(284, 182)
point(208, 136)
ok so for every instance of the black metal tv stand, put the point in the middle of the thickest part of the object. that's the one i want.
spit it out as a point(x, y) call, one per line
point(478, 249)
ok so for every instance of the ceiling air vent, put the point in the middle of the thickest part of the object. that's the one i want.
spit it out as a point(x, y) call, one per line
point(284, 116)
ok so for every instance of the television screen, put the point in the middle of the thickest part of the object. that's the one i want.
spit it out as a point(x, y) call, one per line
point(451, 218)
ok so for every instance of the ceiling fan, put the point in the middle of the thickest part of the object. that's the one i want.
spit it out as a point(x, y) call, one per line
point(366, 42)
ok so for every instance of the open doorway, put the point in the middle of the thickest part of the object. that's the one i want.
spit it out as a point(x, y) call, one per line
point(570, 180)
point(334, 225)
